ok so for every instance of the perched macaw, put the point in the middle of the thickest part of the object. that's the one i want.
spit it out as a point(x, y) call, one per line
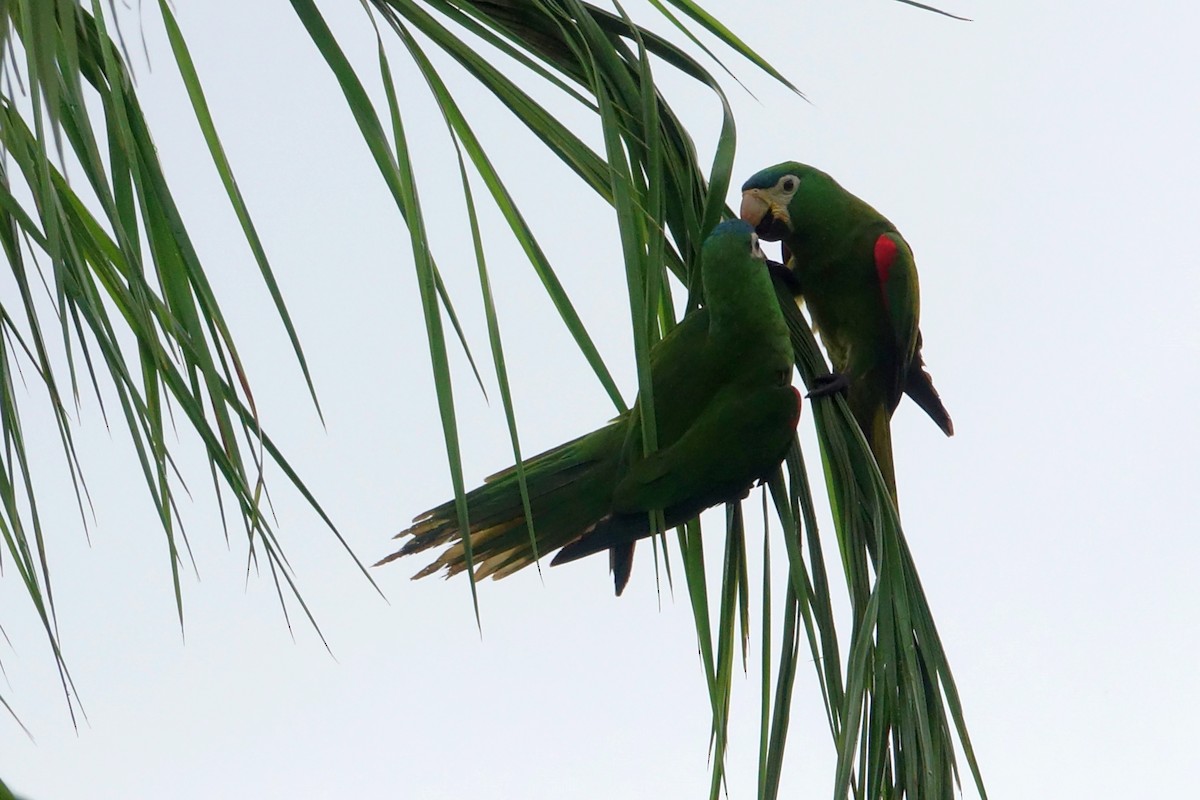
point(856, 274)
point(725, 411)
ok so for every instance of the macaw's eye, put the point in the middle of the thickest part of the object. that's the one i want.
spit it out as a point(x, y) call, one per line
point(788, 184)
point(754, 248)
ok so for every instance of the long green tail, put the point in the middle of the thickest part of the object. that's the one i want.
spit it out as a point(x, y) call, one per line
point(878, 431)
point(570, 488)
point(875, 421)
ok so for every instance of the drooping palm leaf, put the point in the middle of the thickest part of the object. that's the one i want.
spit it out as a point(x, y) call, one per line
point(123, 247)
point(648, 153)
point(890, 699)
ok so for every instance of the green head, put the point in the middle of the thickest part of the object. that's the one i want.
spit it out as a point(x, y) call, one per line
point(785, 200)
point(737, 283)
point(733, 245)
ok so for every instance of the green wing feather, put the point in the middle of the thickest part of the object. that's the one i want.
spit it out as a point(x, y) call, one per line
point(712, 459)
point(902, 303)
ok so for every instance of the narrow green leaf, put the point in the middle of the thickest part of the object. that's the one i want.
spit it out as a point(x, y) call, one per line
point(191, 80)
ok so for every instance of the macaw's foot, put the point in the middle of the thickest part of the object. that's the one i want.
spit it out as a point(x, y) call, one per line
point(831, 384)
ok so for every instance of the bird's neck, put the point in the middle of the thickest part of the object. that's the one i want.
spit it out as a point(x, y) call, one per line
point(742, 301)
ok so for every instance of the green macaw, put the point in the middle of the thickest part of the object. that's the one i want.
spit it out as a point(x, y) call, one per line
point(725, 411)
point(856, 274)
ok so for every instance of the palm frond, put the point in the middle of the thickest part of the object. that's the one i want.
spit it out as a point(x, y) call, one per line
point(116, 260)
point(664, 205)
point(887, 709)
point(106, 264)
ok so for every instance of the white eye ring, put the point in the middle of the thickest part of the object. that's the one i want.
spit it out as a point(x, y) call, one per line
point(788, 183)
point(755, 250)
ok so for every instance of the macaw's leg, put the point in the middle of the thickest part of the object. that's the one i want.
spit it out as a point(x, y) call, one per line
point(827, 385)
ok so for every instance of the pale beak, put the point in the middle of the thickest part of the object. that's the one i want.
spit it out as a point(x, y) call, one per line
point(754, 206)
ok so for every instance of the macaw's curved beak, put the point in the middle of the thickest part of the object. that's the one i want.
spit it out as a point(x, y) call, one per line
point(769, 219)
point(754, 207)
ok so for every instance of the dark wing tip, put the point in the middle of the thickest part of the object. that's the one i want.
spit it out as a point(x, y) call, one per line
point(620, 561)
point(919, 386)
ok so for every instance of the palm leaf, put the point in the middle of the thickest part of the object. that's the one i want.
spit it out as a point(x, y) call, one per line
point(605, 56)
point(117, 260)
point(664, 205)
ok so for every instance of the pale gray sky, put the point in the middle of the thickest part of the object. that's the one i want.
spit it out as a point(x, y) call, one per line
point(1040, 161)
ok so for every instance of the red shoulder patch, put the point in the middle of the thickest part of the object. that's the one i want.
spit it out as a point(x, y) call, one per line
point(885, 256)
point(799, 406)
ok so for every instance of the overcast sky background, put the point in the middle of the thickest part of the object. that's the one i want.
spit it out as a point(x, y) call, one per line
point(1040, 160)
